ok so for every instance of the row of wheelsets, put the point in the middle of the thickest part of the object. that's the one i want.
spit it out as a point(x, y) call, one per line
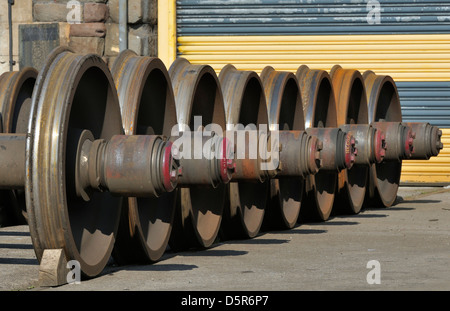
point(91, 155)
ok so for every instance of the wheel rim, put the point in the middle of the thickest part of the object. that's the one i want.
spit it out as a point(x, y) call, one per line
point(284, 104)
point(320, 111)
point(351, 101)
point(73, 92)
point(148, 108)
point(16, 90)
point(199, 208)
point(384, 105)
point(244, 214)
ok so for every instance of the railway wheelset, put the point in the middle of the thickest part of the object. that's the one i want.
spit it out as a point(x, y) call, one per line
point(123, 161)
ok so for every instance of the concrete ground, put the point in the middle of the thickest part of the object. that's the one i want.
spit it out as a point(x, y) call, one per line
point(404, 247)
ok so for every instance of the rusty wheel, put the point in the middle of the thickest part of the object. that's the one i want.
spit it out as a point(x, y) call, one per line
point(383, 106)
point(284, 105)
point(16, 89)
point(351, 101)
point(199, 207)
point(73, 93)
point(245, 105)
point(320, 112)
point(148, 108)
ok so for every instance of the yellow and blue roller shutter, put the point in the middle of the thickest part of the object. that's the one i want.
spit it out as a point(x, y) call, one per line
point(410, 42)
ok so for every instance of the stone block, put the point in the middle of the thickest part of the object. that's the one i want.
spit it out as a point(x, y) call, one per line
point(52, 12)
point(53, 268)
point(88, 30)
point(66, 1)
point(143, 40)
point(4, 34)
point(4, 63)
point(112, 39)
point(22, 11)
point(87, 45)
point(95, 12)
point(139, 11)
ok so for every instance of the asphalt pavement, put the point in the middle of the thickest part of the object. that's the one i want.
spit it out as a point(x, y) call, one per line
point(404, 247)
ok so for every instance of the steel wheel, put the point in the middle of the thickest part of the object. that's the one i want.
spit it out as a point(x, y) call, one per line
point(148, 108)
point(245, 105)
point(16, 89)
point(284, 105)
point(383, 105)
point(73, 92)
point(199, 208)
point(351, 101)
point(320, 112)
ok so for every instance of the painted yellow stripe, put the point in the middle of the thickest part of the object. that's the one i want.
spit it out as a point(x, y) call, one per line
point(434, 170)
point(404, 57)
point(167, 31)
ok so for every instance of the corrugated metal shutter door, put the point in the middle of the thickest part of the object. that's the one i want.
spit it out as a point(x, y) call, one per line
point(410, 42)
point(312, 17)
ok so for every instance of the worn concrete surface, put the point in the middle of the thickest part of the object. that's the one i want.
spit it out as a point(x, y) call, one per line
point(410, 241)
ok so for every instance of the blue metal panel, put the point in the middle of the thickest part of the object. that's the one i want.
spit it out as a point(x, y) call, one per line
point(425, 102)
point(315, 17)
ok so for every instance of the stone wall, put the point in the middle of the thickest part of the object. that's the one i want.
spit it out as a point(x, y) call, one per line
point(21, 14)
point(87, 26)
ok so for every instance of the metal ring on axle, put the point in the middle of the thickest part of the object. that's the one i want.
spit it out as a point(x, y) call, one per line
point(320, 112)
point(383, 105)
point(245, 105)
point(284, 105)
point(73, 93)
point(148, 108)
point(199, 207)
point(16, 89)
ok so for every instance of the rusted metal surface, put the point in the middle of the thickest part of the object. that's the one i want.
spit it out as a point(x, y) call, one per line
point(16, 89)
point(79, 140)
point(127, 165)
point(199, 208)
point(385, 114)
point(370, 143)
point(147, 107)
point(245, 108)
point(208, 162)
point(300, 154)
point(383, 106)
point(320, 112)
point(72, 92)
point(427, 140)
point(338, 152)
point(352, 116)
point(285, 111)
point(12, 155)
point(399, 140)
